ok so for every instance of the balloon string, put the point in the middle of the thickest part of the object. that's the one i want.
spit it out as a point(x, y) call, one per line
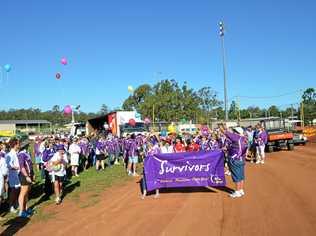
point(1, 77)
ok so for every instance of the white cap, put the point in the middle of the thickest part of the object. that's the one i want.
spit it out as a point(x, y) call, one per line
point(239, 130)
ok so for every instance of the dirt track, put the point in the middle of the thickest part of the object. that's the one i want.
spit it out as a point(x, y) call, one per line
point(280, 200)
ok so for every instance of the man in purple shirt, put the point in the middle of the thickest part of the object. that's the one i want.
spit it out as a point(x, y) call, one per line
point(48, 153)
point(236, 158)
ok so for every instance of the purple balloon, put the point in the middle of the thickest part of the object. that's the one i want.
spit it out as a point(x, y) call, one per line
point(58, 76)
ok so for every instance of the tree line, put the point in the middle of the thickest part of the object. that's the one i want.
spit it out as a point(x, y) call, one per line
point(167, 100)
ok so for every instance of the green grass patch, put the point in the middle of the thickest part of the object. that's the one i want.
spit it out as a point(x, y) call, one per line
point(90, 181)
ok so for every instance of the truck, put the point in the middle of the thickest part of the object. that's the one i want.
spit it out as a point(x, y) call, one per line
point(279, 139)
point(117, 123)
point(279, 136)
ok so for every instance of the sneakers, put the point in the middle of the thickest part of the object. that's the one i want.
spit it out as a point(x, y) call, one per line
point(58, 200)
point(23, 214)
point(237, 194)
point(29, 211)
point(13, 210)
point(116, 163)
point(135, 174)
point(258, 162)
point(262, 162)
point(129, 173)
point(241, 191)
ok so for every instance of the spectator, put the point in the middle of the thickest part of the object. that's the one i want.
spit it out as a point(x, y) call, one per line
point(13, 176)
point(236, 158)
point(57, 170)
point(74, 150)
point(26, 177)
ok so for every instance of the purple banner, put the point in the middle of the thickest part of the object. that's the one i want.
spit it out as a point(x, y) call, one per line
point(186, 169)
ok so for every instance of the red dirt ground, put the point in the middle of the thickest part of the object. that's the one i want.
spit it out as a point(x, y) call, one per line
point(280, 200)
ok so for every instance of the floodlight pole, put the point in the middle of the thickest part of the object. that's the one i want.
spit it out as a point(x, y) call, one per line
point(221, 34)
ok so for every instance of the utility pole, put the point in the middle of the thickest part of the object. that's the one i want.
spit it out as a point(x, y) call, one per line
point(302, 114)
point(221, 34)
point(292, 112)
point(153, 115)
point(238, 109)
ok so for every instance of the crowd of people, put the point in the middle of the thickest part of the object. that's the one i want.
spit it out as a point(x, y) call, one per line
point(59, 158)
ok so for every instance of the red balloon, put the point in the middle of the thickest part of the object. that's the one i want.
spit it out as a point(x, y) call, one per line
point(132, 122)
point(58, 76)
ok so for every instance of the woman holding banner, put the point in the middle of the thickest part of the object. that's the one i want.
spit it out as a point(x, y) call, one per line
point(152, 150)
point(236, 158)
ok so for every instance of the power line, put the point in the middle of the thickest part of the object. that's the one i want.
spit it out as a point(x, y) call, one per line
point(266, 97)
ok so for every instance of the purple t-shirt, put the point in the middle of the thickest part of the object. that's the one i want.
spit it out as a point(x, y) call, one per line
point(2, 154)
point(37, 149)
point(237, 147)
point(109, 146)
point(25, 162)
point(132, 148)
point(48, 154)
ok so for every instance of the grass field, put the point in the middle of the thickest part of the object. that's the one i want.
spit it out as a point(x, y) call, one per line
point(90, 182)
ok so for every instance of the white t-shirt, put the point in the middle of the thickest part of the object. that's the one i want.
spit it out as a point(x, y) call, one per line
point(167, 149)
point(62, 171)
point(74, 150)
point(42, 147)
point(13, 162)
point(3, 167)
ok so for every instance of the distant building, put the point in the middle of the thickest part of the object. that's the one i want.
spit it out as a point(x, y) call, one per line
point(10, 127)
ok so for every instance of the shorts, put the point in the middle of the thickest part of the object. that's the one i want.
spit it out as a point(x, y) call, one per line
point(100, 157)
point(1, 185)
point(58, 178)
point(237, 169)
point(14, 181)
point(38, 160)
point(74, 160)
point(133, 159)
point(23, 180)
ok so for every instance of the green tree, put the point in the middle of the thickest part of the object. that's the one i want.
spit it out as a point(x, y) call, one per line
point(208, 101)
point(232, 112)
point(103, 110)
point(309, 104)
point(274, 111)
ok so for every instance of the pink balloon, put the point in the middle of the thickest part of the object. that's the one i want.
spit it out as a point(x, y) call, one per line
point(205, 131)
point(147, 120)
point(64, 61)
point(67, 110)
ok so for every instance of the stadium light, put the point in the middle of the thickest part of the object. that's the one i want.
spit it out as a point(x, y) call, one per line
point(221, 34)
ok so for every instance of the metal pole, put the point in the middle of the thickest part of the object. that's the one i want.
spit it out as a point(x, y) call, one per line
point(72, 116)
point(225, 83)
point(302, 114)
point(153, 115)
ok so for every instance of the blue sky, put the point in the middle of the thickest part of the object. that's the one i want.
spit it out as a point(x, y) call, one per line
point(112, 44)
